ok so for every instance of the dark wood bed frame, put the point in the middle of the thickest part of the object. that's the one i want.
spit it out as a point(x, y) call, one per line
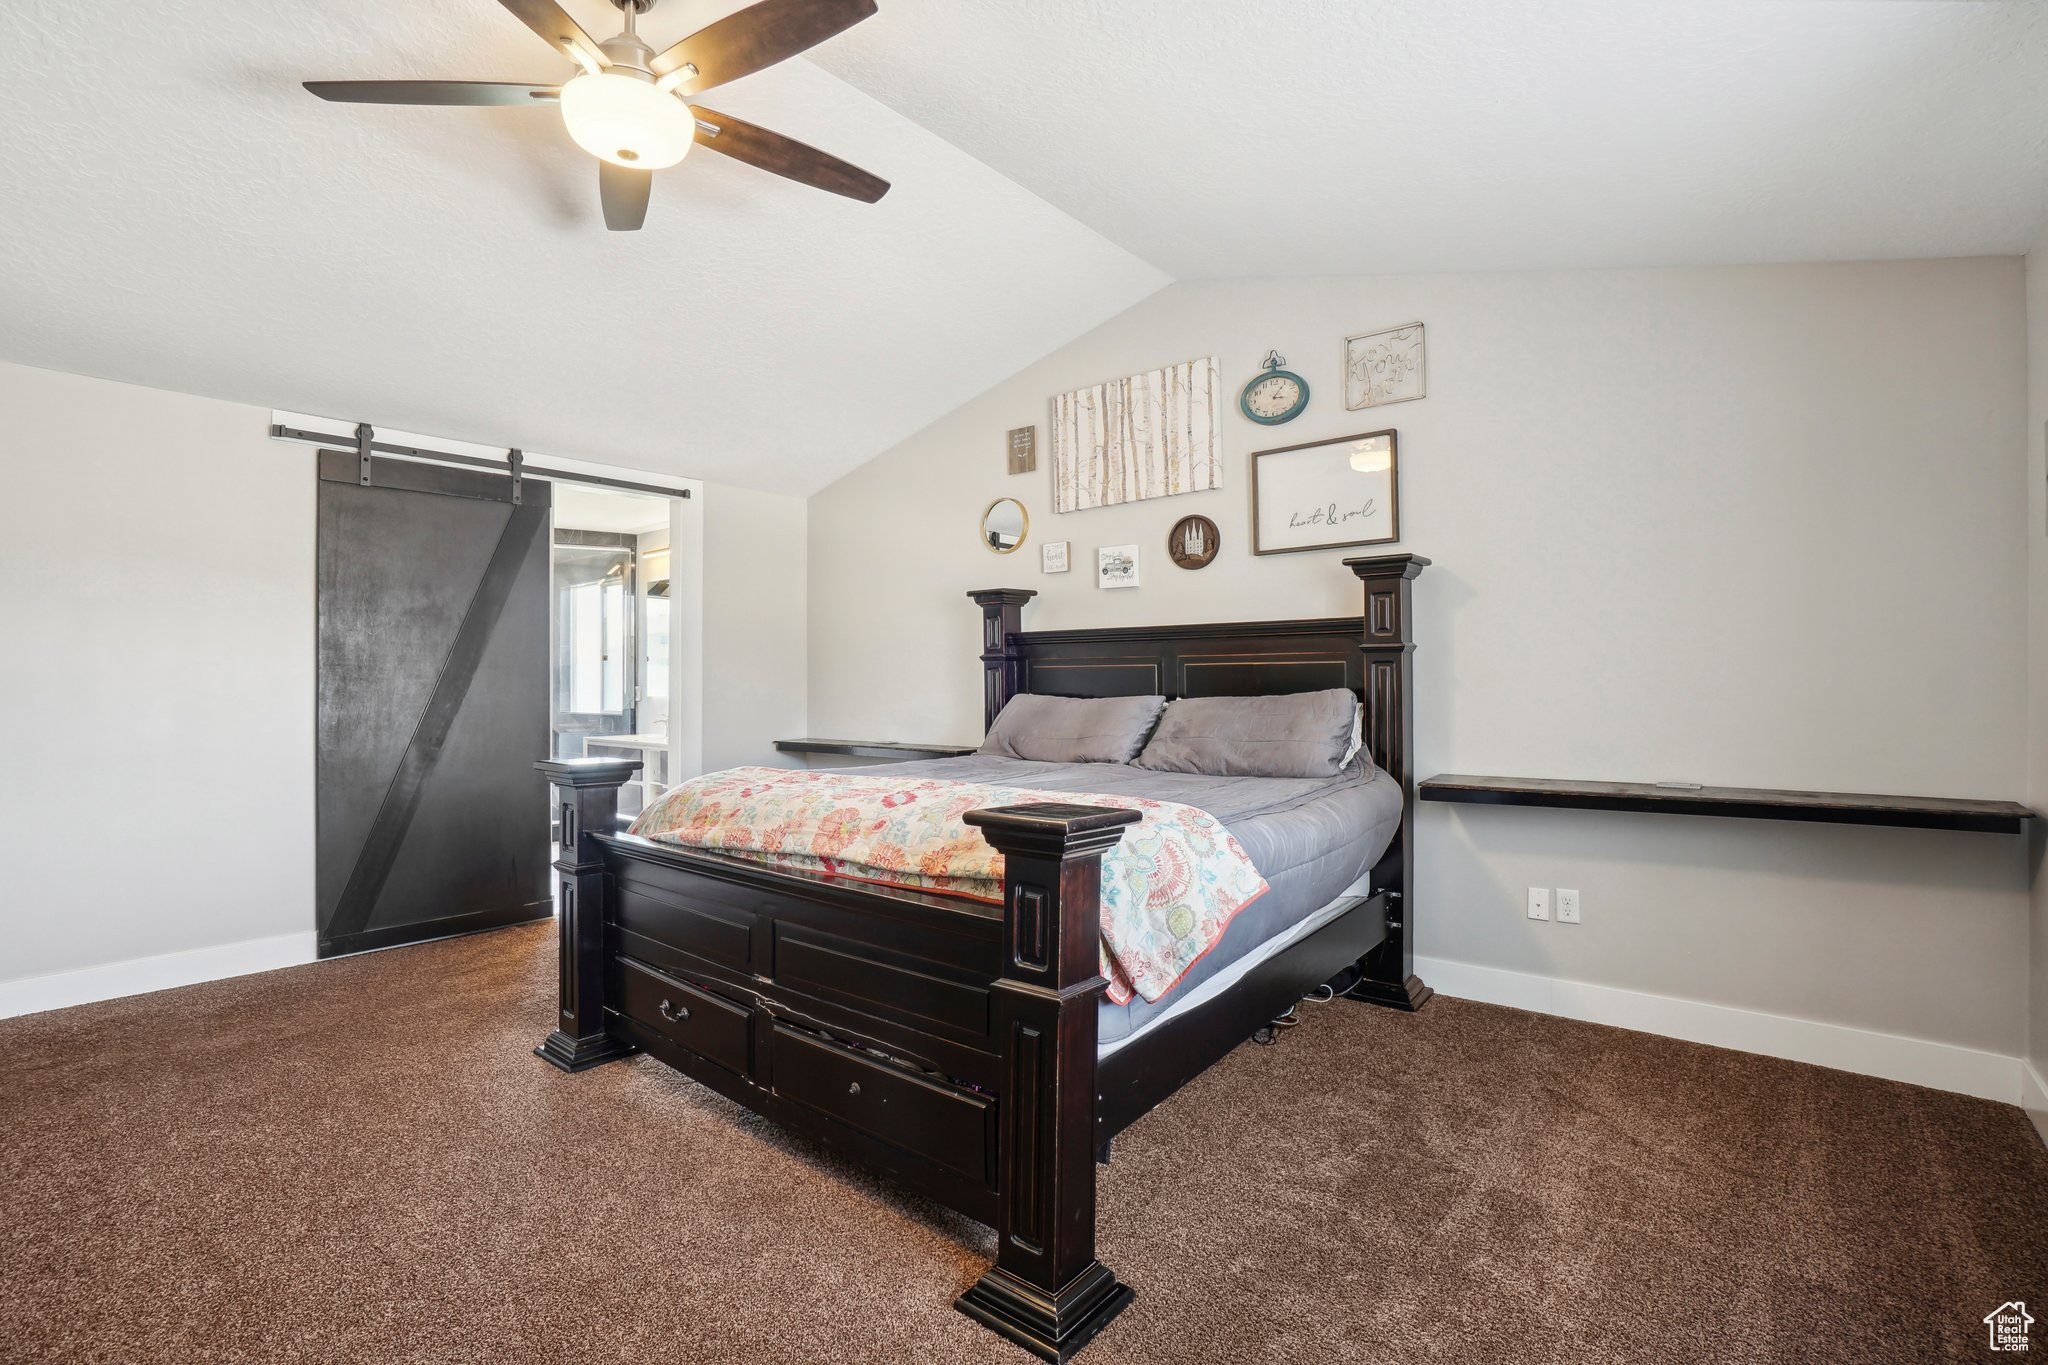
point(951, 1047)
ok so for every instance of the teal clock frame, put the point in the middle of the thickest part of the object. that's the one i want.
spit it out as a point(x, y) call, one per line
point(1272, 368)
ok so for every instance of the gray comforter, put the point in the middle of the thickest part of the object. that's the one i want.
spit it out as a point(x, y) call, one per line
point(1310, 838)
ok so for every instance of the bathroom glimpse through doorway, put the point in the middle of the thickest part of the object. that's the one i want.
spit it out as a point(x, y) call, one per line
point(612, 645)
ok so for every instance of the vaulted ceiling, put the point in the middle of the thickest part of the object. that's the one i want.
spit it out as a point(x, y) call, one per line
point(175, 211)
point(1224, 139)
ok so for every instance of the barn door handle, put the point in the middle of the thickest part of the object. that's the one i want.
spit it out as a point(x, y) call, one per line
point(675, 1014)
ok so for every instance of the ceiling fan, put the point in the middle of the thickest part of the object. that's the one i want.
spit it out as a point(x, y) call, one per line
point(630, 106)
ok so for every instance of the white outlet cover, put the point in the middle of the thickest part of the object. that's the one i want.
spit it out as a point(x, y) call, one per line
point(1567, 906)
point(1539, 902)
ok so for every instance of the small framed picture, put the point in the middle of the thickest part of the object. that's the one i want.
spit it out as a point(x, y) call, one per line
point(1023, 449)
point(1193, 542)
point(1052, 557)
point(1116, 566)
point(1324, 495)
point(1384, 367)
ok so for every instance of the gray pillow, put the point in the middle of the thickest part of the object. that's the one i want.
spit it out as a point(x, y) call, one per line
point(1072, 729)
point(1304, 734)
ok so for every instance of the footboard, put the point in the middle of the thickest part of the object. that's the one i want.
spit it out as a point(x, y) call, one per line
point(949, 1046)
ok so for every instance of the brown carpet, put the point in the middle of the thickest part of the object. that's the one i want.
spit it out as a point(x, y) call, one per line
point(361, 1161)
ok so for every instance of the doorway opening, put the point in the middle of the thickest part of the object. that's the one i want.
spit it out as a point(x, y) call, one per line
point(612, 692)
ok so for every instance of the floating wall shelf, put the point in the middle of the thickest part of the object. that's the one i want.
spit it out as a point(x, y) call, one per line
point(872, 748)
point(1754, 803)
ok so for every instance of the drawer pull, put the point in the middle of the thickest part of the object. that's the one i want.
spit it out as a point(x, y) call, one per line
point(853, 1089)
point(674, 1014)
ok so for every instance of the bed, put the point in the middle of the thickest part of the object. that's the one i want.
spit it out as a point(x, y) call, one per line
point(1315, 841)
point(968, 1051)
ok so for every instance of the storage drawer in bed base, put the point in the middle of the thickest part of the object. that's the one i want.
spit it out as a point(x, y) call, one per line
point(951, 1127)
point(947, 1047)
point(937, 1137)
point(714, 1028)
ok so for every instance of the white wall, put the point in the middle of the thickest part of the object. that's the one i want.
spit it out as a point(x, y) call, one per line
point(755, 590)
point(2037, 635)
point(156, 604)
point(157, 676)
point(1753, 526)
point(737, 595)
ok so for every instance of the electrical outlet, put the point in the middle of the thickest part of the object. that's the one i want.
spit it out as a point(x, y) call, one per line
point(1567, 905)
point(1539, 902)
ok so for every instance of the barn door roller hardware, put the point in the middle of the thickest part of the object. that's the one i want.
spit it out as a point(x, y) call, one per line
point(514, 464)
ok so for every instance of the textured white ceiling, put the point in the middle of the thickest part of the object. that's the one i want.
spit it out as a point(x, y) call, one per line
point(176, 212)
point(1223, 138)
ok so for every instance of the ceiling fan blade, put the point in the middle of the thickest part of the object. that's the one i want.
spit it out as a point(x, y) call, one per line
point(432, 92)
point(760, 35)
point(553, 24)
point(785, 156)
point(623, 192)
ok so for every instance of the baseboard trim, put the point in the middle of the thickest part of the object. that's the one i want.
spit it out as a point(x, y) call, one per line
point(2034, 1097)
point(455, 926)
point(137, 976)
point(1893, 1057)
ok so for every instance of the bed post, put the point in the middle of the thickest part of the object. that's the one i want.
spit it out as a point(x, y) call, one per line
point(587, 796)
point(1002, 615)
point(1046, 1291)
point(1390, 733)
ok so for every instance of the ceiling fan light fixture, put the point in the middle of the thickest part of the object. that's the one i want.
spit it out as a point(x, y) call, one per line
point(677, 79)
point(576, 53)
point(624, 120)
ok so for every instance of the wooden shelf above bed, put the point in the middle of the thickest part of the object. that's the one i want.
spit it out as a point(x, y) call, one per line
point(1754, 803)
point(872, 748)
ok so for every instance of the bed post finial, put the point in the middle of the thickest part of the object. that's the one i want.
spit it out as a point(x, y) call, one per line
point(1002, 616)
point(587, 797)
point(1390, 734)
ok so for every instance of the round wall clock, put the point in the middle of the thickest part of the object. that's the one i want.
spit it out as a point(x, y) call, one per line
point(1193, 542)
point(1275, 396)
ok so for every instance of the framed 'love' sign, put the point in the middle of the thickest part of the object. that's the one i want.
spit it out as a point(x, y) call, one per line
point(1326, 495)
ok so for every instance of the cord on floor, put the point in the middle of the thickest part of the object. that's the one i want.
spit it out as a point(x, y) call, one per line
point(1268, 1034)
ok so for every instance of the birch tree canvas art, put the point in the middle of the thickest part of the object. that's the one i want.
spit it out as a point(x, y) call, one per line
point(1149, 435)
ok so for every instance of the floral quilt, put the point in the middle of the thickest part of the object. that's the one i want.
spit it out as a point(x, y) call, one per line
point(1169, 888)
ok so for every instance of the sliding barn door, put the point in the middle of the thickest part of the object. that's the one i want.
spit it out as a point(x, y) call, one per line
point(433, 602)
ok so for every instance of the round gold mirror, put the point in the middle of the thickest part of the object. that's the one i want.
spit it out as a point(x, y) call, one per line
point(1003, 525)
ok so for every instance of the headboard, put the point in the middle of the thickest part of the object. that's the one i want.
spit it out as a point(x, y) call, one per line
point(1368, 654)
